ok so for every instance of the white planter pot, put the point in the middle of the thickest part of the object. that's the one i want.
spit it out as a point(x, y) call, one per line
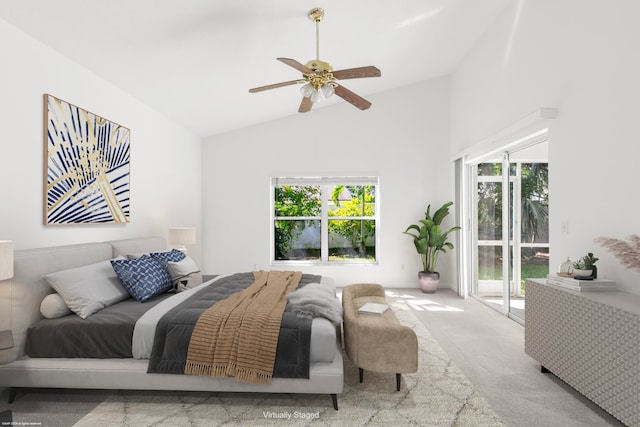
point(582, 273)
point(429, 281)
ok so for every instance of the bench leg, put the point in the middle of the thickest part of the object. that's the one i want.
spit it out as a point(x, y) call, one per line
point(361, 372)
point(334, 399)
point(398, 377)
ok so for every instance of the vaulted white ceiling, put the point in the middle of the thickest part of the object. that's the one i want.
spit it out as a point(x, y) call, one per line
point(194, 60)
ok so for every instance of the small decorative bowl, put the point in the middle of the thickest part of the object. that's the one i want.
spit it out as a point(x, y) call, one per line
point(582, 273)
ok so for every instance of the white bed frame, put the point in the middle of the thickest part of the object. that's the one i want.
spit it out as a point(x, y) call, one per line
point(25, 293)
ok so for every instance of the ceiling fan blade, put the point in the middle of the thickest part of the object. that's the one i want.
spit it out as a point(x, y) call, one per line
point(305, 105)
point(273, 86)
point(351, 97)
point(295, 64)
point(357, 73)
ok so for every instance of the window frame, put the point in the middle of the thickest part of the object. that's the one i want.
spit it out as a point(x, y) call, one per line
point(325, 183)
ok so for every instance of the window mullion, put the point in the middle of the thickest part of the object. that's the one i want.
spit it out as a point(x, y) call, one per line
point(324, 224)
point(352, 218)
point(310, 218)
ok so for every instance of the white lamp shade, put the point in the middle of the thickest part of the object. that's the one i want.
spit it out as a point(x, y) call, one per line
point(182, 236)
point(327, 90)
point(306, 90)
point(316, 96)
point(6, 259)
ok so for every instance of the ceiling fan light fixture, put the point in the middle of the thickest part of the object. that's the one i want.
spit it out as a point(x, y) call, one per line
point(327, 90)
point(317, 96)
point(324, 91)
point(307, 90)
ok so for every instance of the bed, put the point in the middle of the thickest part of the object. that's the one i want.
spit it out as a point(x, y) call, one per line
point(28, 288)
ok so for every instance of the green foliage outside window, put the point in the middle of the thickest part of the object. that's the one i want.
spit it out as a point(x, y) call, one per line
point(361, 204)
point(534, 203)
point(293, 201)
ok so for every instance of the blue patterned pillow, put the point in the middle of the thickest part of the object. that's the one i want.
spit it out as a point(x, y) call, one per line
point(164, 258)
point(143, 277)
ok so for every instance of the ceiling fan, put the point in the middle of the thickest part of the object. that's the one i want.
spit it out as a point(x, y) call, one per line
point(319, 78)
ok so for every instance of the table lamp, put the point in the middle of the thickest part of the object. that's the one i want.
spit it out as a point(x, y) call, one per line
point(181, 236)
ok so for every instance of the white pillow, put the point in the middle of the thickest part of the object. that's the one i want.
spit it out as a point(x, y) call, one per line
point(185, 274)
point(141, 254)
point(53, 306)
point(137, 255)
point(88, 289)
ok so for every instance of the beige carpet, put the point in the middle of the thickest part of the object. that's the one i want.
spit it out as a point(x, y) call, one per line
point(437, 395)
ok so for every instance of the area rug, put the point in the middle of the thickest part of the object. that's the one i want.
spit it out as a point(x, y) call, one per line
point(437, 395)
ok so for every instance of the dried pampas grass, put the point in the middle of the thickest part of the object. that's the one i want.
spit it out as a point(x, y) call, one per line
point(627, 251)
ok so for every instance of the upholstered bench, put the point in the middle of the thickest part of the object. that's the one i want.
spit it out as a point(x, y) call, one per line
point(376, 342)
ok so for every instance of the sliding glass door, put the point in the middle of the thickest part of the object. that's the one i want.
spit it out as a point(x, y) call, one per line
point(509, 227)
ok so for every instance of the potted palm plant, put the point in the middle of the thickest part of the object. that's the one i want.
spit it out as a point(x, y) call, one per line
point(430, 240)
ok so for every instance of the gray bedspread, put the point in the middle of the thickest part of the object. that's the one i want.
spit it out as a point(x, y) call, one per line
point(103, 335)
point(173, 331)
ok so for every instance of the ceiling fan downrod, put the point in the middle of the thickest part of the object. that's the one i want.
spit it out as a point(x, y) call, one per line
point(316, 16)
point(321, 75)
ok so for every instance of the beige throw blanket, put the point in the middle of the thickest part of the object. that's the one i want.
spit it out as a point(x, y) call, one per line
point(238, 336)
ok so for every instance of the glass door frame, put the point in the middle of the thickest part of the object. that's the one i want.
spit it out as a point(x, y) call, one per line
point(507, 182)
point(468, 238)
point(508, 230)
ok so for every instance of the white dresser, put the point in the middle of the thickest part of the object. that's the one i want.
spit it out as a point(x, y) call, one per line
point(590, 340)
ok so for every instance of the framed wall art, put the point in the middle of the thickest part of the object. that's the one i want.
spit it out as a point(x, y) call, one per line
point(86, 176)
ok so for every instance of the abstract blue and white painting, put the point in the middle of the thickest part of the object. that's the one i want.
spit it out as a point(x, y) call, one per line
point(86, 166)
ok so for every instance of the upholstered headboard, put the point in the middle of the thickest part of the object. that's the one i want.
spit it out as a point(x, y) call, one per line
point(27, 289)
point(133, 246)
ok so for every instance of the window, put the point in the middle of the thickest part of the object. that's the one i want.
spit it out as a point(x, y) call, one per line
point(324, 220)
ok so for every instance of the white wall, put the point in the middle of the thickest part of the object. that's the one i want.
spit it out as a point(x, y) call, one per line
point(581, 57)
point(403, 138)
point(165, 158)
